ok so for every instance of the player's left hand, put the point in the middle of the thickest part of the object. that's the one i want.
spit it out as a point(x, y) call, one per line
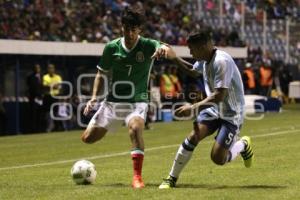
point(184, 110)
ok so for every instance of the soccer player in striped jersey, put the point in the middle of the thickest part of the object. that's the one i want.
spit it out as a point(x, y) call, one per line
point(221, 111)
point(128, 62)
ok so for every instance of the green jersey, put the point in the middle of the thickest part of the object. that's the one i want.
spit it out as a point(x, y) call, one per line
point(129, 69)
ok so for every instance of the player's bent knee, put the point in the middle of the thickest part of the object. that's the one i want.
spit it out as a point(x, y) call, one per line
point(86, 138)
point(218, 160)
point(92, 136)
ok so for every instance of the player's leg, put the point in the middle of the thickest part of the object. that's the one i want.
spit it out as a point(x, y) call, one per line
point(98, 125)
point(185, 151)
point(93, 134)
point(220, 155)
point(227, 147)
point(224, 140)
point(136, 127)
point(136, 124)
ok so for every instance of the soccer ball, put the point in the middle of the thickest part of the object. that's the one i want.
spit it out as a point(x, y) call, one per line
point(83, 172)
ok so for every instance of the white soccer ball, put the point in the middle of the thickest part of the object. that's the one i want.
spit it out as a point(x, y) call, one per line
point(83, 172)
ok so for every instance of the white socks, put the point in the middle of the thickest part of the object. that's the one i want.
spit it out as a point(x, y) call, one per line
point(182, 157)
point(235, 150)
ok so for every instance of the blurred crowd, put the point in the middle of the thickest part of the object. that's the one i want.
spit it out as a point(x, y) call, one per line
point(98, 21)
point(276, 9)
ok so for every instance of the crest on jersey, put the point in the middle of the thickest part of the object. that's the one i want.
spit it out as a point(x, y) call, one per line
point(140, 56)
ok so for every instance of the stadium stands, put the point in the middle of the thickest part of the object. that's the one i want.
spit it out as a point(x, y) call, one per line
point(169, 22)
point(67, 20)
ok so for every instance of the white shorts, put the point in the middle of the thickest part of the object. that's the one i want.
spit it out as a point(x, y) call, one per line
point(111, 115)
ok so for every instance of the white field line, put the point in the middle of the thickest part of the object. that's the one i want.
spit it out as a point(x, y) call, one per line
point(127, 152)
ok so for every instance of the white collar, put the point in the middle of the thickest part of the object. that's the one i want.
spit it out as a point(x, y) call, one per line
point(124, 46)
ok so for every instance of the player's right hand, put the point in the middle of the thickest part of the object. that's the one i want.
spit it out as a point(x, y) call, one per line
point(184, 111)
point(165, 51)
point(89, 106)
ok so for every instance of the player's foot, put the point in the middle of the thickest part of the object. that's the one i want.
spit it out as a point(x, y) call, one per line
point(137, 182)
point(247, 154)
point(169, 182)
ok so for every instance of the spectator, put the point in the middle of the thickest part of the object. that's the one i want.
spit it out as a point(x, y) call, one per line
point(175, 80)
point(209, 5)
point(155, 99)
point(167, 88)
point(249, 79)
point(51, 83)
point(285, 77)
point(35, 93)
point(64, 113)
point(266, 79)
point(2, 117)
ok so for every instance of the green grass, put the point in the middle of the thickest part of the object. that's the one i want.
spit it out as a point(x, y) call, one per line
point(30, 167)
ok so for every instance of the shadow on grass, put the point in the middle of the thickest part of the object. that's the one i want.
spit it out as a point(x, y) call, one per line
point(203, 186)
point(214, 187)
point(122, 185)
point(117, 185)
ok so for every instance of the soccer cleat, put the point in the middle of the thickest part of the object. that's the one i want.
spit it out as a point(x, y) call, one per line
point(247, 154)
point(137, 182)
point(169, 182)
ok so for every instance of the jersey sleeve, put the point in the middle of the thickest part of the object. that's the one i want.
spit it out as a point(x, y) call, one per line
point(106, 58)
point(198, 66)
point(154, 45)
point(223, 74)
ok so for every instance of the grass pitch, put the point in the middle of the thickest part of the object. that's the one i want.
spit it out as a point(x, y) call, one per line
point(38, 166)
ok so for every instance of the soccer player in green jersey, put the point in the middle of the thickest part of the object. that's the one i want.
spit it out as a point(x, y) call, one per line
point(128, 61)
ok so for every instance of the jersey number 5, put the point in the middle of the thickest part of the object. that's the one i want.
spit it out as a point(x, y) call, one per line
point(129, 69)
point(229, 139)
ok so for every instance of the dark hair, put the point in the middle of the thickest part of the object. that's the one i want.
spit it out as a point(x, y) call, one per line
point(200, 37)
point(133, 16)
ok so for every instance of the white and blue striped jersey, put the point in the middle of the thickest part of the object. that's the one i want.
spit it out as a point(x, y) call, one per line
point(222, 72)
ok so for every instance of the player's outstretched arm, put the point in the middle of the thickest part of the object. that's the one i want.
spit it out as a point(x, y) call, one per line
point(166, 51)
point(90, 104)
point(186, 67)
point(161, 52)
